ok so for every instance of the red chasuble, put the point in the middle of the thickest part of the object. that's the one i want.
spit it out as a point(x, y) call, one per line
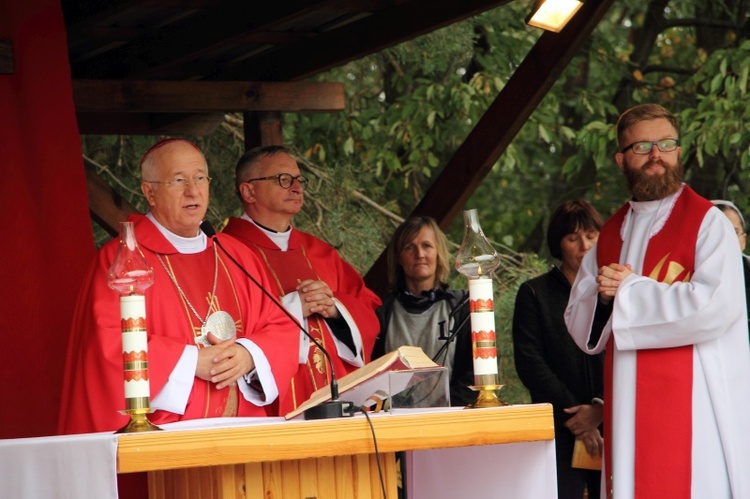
point(93, 390)
point(664, 381)
point(310, 258)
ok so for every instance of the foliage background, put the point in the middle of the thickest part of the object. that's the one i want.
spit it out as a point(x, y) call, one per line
point(409, 107)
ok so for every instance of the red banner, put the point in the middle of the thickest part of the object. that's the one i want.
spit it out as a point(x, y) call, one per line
point(47, 243)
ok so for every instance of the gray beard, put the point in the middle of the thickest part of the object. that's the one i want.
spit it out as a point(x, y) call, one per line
point(646, 187)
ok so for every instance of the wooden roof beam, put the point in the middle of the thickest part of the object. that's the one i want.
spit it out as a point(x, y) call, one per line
point(106, 206)
point(500, 124)
point(205, 97)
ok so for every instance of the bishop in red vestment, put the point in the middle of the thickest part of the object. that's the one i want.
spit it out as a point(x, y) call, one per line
point(313, 281)
point(192, 375)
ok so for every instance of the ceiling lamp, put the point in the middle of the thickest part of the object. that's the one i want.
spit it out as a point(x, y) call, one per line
point(552, 15)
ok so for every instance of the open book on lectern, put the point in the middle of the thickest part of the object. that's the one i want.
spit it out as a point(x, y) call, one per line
point(381, 378)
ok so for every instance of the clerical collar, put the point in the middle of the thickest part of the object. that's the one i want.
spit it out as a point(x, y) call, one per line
point(280, 239)
point(660, 209)
point(184, 245)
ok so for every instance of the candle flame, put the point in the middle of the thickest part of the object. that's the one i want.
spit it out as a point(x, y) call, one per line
point(479, 269)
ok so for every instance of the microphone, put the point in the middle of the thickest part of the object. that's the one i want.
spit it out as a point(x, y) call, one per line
point(458, 307)
point(333, 409)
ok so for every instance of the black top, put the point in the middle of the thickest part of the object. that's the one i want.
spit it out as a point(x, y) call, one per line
point(548, 361)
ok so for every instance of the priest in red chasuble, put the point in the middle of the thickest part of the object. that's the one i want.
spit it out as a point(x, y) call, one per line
point(217, 346)
point(324, 292)
point(662, 292)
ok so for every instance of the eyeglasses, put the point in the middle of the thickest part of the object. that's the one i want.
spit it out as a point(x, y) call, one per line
point(182, 183)
point(285, 180)
point(643, 147)
point(739, 232)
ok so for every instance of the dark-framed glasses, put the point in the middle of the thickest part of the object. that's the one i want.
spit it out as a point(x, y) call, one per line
point(285, 180)
point(182, 183)
point(644, 146)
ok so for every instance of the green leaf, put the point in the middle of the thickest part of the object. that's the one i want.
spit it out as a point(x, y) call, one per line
point(742, 83)
point(543, 134)
point(349, 146)
point(432, 160)
point(431, 119)
point(568, 133)
point(716, 83)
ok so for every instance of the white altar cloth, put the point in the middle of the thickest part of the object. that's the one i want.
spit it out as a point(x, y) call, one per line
point(60, 467)
point(525, 470)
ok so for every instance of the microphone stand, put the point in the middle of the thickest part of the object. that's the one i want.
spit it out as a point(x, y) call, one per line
point(335, 408)
point(456, 328)
point(450, 338)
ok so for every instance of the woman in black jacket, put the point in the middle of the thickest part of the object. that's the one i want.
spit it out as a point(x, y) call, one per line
point(548, 362)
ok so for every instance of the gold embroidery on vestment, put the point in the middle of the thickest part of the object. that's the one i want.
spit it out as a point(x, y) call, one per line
point(674, 270)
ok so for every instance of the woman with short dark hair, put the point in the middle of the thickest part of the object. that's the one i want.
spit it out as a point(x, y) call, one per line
point(548, 362)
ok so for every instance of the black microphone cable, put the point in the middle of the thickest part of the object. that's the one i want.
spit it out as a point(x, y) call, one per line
point(377, 452)
point(333, 409)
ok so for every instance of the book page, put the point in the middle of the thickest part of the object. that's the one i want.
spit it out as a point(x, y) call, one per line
point(369, 378)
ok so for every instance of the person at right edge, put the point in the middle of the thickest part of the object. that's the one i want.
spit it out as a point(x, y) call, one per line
point(738, 222)
point(662, 292)
point(548, 361)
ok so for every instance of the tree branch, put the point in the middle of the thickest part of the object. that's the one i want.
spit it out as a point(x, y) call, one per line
point(661, 68)
point(701, 22)
point(361, 197)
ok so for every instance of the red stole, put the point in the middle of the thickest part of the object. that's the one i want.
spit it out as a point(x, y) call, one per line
point(664, 377)
point(197, 287)
point(287, 269)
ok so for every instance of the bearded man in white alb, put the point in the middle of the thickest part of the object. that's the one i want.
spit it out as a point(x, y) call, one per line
point(663, 293)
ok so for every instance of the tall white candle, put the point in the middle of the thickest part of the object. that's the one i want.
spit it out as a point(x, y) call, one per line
point(135, 351)
point(484, 343)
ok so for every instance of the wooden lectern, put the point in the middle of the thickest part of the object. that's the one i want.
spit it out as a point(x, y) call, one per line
point(315, 459)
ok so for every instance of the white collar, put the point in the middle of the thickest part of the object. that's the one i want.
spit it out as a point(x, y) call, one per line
point(280, 239)
point(661, 208)
point(184, 245)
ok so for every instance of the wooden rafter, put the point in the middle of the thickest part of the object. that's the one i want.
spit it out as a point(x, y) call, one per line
point(500, 124)
point(190, 107)
point(205, 96)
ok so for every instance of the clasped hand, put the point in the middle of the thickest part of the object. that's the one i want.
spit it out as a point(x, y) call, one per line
point(317, 298)
point(224, 362)
point(584, 424)
point(609, 279)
